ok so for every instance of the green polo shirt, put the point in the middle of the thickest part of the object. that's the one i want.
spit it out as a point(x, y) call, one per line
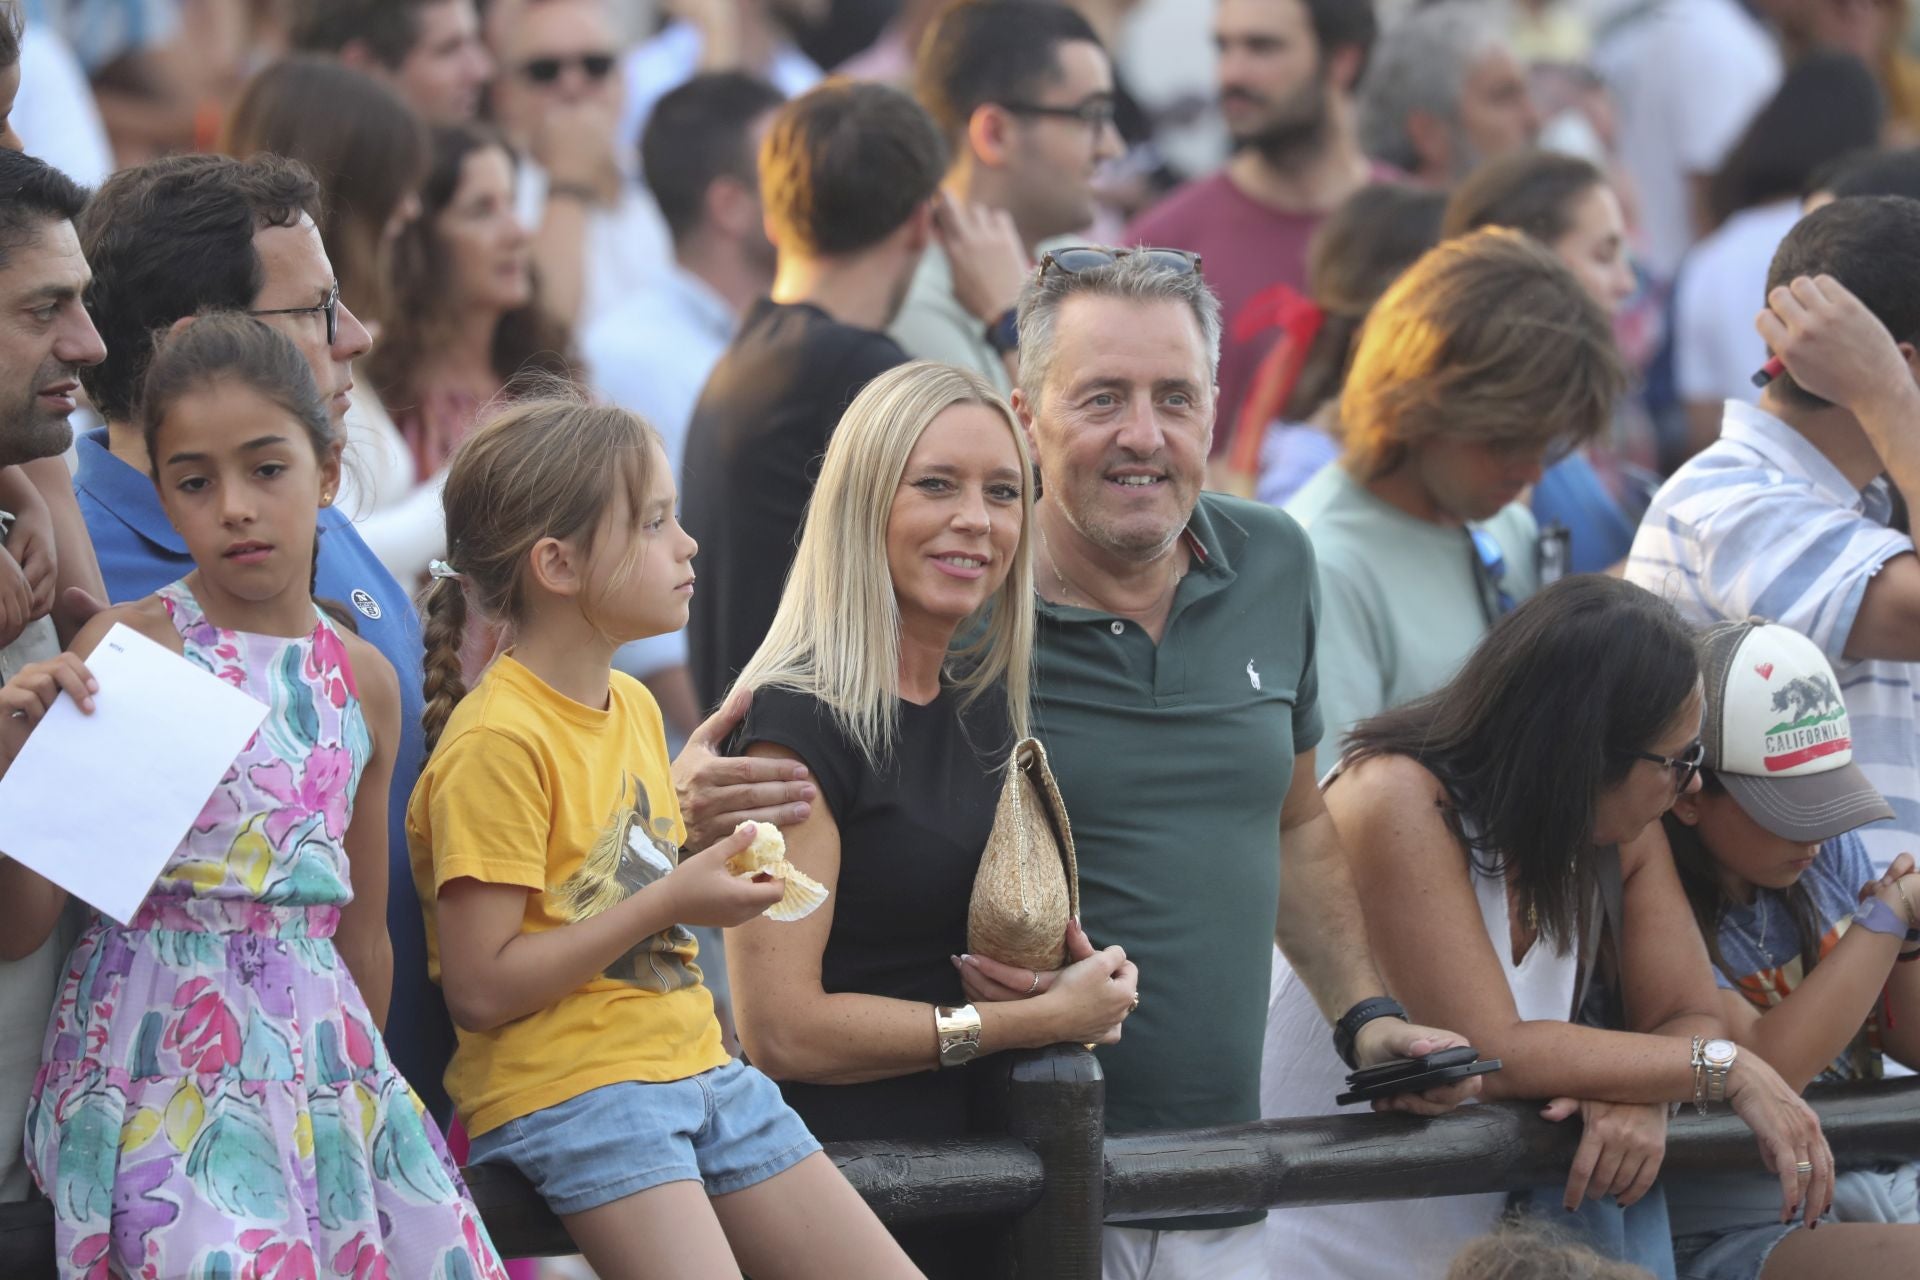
point(1173, 761)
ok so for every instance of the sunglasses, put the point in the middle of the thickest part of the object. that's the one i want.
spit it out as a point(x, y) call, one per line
point(330, 308)
point(1684, 767)
point(547, 70)
point(1072, 261)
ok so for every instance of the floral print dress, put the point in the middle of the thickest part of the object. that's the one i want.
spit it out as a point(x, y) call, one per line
point(214, 1102)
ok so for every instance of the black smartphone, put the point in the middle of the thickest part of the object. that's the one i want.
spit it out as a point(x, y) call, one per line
point(1414, 1075)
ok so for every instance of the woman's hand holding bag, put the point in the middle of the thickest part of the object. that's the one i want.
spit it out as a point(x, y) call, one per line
point(1088, 999)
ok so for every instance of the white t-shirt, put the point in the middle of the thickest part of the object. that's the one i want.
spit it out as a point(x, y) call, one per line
point(396, 513)
point(1722, 286)
point(54, 112)
point(658, 66)
point(652, 355)
point(627, 244)
point(1686, 76)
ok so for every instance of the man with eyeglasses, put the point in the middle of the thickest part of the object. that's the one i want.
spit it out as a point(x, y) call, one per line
point(428, 50)
point(1288, 71)
point(1024, 94)
point(166, 241)
point(597, 236)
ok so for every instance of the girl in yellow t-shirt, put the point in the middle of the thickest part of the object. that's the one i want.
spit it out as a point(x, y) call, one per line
point(545, 838)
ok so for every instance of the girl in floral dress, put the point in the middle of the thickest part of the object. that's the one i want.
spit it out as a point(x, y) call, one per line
point(215, 1101)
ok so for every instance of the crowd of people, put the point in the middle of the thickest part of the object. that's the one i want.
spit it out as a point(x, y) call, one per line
point(1455, 556)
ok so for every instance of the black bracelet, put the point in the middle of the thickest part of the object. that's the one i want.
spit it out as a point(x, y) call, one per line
point(1907, 957)
point(1347, 1029)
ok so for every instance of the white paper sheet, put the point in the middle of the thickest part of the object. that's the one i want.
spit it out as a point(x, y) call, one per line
point(98, 803)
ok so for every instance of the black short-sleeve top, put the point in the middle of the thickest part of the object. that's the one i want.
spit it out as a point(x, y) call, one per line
point(911, 835)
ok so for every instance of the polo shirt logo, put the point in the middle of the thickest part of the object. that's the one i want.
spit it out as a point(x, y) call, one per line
point(1253, 677)
point(366, 604)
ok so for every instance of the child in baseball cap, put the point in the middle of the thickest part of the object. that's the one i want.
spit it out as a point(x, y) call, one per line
point(1780, 884)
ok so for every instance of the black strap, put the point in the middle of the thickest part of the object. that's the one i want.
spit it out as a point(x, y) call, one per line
point(1610, 894)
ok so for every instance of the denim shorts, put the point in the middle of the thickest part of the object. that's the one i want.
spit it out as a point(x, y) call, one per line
point(1738, 1254)
point(728, 1128)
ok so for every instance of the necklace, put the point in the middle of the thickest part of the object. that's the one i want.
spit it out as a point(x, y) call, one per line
point(1760, 913)
point(1077, 594)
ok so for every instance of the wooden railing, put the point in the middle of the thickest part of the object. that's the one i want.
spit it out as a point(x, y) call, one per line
point(1049, 1184)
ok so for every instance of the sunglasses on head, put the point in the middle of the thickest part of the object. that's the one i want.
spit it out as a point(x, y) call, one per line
point(1078, 258)
point(547, 70)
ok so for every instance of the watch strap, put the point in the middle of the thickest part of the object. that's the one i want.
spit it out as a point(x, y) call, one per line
point(1877, 917)
point(1003, 335)
point(1718, 1070)
point(1347, 1030)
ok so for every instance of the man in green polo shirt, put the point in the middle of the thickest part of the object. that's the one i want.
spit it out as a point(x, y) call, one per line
point(1176, 694)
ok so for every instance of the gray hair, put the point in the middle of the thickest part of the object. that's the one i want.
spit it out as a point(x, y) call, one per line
point(1134, 277)
point(1421, 64)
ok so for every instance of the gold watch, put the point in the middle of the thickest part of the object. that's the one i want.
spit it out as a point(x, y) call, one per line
point(959, 1034)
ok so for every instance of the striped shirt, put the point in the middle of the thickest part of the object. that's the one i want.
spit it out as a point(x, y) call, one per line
point(1761, 524)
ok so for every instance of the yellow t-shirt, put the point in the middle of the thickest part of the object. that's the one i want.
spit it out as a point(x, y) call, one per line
point(530, 788)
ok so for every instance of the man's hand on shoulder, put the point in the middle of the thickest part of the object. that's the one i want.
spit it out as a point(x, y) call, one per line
point(718, 792)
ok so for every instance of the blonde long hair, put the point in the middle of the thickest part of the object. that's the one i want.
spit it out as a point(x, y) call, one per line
point(836, 634)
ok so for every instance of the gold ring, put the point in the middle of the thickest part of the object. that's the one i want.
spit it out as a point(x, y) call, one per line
point(1135, 1004)
point(1036, 983)
point(1804, 1168)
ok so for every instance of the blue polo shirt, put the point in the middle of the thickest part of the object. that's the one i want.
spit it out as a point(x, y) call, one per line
point(140, 552)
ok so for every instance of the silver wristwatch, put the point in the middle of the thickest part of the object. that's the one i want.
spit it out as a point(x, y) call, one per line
point(1716, 1064)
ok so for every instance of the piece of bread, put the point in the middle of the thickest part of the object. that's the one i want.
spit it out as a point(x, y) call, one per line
point(767, 855)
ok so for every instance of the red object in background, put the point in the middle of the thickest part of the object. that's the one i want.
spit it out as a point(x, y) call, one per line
point(1299, 318)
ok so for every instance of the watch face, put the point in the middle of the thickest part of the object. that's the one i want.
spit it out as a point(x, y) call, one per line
point(1718, 1053)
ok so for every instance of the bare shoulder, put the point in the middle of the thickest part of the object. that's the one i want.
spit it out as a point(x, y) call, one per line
point(147, 615)
point(1389, 781)
point(1388, 806)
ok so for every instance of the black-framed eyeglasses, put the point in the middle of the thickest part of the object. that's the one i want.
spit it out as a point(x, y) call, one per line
point(1094, 113)
point(594, 66)
point(330, 308)
point(1684, 767)
point(1086, 257)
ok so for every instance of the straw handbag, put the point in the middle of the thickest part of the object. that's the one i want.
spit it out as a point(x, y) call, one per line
point(1028, 885)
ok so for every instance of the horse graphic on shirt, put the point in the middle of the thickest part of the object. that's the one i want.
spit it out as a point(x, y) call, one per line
point(633, 850)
